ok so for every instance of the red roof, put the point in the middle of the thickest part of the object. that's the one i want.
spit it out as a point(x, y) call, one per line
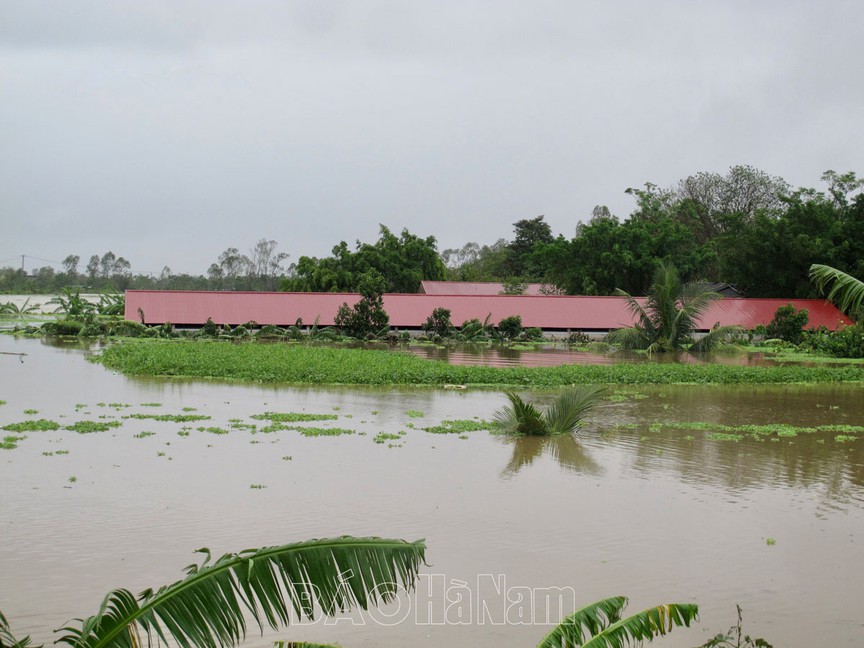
point(473, 288)
point(192, 308)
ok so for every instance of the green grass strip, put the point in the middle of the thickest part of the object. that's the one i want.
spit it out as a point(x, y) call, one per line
point(276, 363)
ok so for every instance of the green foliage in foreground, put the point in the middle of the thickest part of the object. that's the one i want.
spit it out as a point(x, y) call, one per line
point(327, 365)
point(599, 625)
point(208, 608)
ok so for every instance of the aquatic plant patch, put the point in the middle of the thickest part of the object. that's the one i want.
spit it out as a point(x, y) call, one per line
point(721, 432)
point(172, 418)
point(10, 442)
point(845, 438)
point(213, 430)
point(293, 417)
point(384, 437)
point(34, 425)
point(87, 427)
point(459, 426)
point(320, 431)
point(332, 365)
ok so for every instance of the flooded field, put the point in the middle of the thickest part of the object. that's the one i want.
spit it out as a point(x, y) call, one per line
point(636, 506)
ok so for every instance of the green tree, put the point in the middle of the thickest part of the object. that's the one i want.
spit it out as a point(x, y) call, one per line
point(529, 234)
point(402, 261)
point(669, 318)
point(367, 317)
point(70, 266)
point(787, 324)
point(207, 608)
point(438, 323)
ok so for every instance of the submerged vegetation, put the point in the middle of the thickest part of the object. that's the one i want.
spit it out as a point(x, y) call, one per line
point(562, 417)
point(330, 365)
point(721, 432)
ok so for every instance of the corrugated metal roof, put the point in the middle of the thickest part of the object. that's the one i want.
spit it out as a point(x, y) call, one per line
point(192, 308)
point(473, 288)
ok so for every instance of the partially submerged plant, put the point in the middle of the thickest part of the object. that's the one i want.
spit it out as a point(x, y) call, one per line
point(563, 417)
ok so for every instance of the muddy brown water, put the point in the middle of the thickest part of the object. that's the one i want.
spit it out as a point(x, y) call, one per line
point(553, 356)
point(659, 516)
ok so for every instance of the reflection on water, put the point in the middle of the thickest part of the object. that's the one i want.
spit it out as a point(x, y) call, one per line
point(567, 450)
point(552, 356)
point(626, 507)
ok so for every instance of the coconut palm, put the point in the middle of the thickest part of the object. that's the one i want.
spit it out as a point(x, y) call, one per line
point(599, 625)
point(208, 608)
point(847, 290)
point(668, 320)
point(563, 417)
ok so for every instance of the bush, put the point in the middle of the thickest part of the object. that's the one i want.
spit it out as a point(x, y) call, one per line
point(128, 328)
point(63, 327)
point(533, 334)
point(93, 328)
point(578, 338)
point(438, 323)
point(846, 343)
point(788, 324)
point(367, 317)
point(510, 328)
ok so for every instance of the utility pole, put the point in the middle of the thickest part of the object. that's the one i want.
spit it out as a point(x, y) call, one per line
point(22, 262)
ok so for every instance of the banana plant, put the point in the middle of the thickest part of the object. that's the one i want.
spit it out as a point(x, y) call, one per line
point(209, 607)
point(599, 625)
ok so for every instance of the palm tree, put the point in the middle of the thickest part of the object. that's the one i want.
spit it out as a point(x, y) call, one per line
point(847, 290)
point(670, 316)
point(599, 625)
point(564, 416)
point(208, 608)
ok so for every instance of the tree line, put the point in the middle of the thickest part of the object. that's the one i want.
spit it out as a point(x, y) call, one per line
point(745, 228)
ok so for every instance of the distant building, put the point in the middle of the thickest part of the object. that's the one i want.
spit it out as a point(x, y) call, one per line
point(553, 314)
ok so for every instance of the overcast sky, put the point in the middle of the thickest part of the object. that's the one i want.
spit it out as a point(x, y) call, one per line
point(167, 131)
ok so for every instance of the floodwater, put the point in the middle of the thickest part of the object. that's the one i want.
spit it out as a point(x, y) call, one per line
point(553, 356)
point(660, 515)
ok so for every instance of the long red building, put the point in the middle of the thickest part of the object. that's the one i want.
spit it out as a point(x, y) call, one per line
point(409, 312)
